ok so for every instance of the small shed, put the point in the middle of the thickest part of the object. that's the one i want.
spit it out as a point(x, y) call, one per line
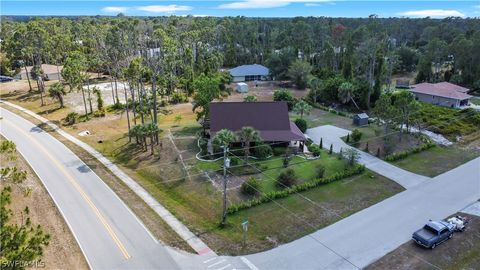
point(242, 87)
point(360, 119)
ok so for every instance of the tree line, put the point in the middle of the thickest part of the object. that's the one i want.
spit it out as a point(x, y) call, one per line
point(169, 59)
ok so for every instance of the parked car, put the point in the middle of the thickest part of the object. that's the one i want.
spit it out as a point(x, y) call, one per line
point(434, 233)
point(5, 78)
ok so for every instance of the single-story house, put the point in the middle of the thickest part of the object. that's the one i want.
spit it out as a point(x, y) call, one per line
point(50, 72)
point(360, 119)
point(247, 73)
point(242, 87)
point(269, 118)
point(443, 94)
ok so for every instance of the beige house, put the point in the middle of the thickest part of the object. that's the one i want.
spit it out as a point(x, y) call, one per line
point(51, 72)
point(442, 94)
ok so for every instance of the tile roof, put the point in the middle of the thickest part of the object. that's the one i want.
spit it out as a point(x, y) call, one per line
point(443, 89)
point(245, 70)
point(269, 118)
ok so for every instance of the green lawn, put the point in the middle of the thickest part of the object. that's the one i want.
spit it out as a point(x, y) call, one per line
point(305, 170)
point(290, 218)
point(436, 160)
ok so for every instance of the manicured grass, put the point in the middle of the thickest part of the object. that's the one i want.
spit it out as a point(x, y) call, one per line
point(305, 170)
point(436, 160)
point(298, 215)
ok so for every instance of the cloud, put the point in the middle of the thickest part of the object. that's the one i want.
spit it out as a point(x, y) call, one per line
point(256, 4)
point(114, 9)
point(164, 9)
point(433, 13)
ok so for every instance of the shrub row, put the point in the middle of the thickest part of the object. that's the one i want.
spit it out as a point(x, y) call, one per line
point(403, 154)
point(272, 195)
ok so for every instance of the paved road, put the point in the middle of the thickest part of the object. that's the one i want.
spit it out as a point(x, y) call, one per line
point(109, 234)
point(331, 135)
point(373, 232)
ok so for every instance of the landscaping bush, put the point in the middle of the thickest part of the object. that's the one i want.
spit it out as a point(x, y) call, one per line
point(286, 161)
point(356, 135)
point(235, 161)
point(177, 98)
point(315, 149)
point(251, 186)
point(263, 151)
point(403, 154)
point(447, 121)
point(285, 95)
point(99, 113)
point(269, 196)
point(320, 171)
point(279, 151)
point(308, 142)
point(286, 178)
point(71, 118)
point(203, 144)
point(301, 124)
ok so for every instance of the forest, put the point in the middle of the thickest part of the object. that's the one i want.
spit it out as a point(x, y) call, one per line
point(180, 57)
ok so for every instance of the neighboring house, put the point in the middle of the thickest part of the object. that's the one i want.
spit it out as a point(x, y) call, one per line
point(50, 72)
point(247, 73)
point(443, 94)
point(269, 118)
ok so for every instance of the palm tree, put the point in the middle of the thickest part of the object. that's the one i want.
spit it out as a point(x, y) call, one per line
point(224, 138)
point(302, 108)
point(345, 93)
point(57, 90)
point(247, 135)
point(152, 131)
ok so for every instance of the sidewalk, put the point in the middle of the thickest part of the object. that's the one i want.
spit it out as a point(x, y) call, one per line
point(196, 243)
point(331, 135)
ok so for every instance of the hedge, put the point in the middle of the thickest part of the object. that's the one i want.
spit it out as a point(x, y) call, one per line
point(406, 153)
point(272, 195)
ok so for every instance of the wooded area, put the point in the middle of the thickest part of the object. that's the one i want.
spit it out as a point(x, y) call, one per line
point(342, 60)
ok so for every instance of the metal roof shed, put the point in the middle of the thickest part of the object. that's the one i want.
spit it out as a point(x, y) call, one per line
point(360, 119)
point(242, 87)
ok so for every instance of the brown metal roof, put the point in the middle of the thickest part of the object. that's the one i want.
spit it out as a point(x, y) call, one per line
point(269, 118)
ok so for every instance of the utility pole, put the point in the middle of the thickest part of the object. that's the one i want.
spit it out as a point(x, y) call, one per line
point(226, 164)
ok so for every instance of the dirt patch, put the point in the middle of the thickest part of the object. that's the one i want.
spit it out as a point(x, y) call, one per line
point(263, 92)
point(63, 251)
point(389, 144)
point(460, 252)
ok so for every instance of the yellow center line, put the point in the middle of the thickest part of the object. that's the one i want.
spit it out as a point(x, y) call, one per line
point(82, 193)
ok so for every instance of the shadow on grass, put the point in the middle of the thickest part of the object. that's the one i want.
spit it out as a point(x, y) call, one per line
point(48, 111)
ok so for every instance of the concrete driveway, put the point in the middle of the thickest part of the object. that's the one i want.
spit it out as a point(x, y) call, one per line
point(331, 135)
